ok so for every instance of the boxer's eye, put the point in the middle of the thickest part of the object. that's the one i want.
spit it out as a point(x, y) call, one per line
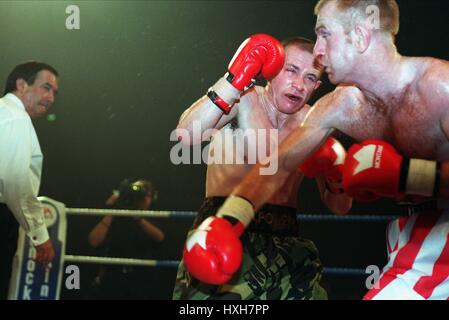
point(323, 34)
point(312, 78)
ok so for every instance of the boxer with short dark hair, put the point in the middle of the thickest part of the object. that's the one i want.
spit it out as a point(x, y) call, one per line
point(277, 263)
point(402, 103)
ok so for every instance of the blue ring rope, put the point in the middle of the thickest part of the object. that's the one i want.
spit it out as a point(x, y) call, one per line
point(310, 217)
point(329, 270)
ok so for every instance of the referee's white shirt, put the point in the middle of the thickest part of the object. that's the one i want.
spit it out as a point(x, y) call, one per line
point(21, 168)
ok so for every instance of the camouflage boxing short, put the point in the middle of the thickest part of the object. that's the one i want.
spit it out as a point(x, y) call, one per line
point(277, 263)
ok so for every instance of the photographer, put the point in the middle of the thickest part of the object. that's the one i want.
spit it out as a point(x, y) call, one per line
point(126, 237)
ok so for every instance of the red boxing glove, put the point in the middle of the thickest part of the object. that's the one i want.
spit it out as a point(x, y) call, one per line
point(213, 252)
point(259, 54)
point(374, 169)
point(326, 163)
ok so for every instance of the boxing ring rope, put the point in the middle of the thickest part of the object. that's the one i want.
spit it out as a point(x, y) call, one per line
point(30, 282)
point(174, 263)
point(121, 261)
point(192, 214)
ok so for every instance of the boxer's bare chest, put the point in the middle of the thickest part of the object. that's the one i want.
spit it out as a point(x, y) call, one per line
point(405, 121)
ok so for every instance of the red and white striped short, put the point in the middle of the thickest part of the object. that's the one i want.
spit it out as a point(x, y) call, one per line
point(418, 259)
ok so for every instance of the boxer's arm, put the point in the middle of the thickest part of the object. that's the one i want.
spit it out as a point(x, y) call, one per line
point(444, 166)
point(300, 144)
point(203, 115)
point(434, 88)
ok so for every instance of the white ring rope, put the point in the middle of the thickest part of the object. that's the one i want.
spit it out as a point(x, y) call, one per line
point(121, 261)
point(130, 213)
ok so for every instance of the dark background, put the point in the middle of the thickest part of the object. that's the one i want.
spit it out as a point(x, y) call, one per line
point(128, 74)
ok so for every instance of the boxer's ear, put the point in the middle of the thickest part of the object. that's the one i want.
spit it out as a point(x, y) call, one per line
point(361, 37)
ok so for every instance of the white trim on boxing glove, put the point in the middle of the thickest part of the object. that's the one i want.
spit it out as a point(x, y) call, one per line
point(238, 208)
point(421, 177)
point(226, 91)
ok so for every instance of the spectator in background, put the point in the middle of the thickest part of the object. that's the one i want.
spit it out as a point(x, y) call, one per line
point(126, 237)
